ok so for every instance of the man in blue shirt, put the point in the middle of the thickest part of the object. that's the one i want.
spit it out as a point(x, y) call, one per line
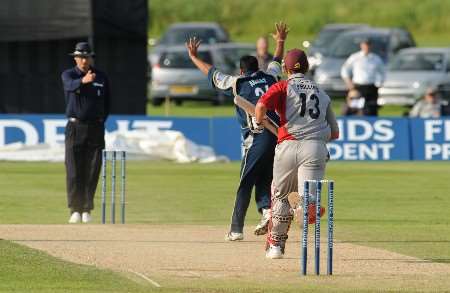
point(259, 145)
point(86, 91)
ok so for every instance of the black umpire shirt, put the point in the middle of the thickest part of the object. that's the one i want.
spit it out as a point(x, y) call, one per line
point(86, 102)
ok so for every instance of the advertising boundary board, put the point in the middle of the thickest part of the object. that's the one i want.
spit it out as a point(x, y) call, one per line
point(361, 138)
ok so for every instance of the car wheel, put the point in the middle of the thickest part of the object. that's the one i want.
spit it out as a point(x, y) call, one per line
point(157, 101)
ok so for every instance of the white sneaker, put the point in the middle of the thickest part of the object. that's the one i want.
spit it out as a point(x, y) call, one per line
point(234, 236)
point(86, 217)
point(75, 218)
point(263, 225)
point(274, 252)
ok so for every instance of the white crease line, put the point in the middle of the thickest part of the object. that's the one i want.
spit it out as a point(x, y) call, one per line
point(146, 278)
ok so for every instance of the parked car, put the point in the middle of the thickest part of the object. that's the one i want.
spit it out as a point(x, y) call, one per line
point(327, 35)
point(385, 42)
point(412, 71)
point(178, 33)
point(229, 55)
point(175, 75)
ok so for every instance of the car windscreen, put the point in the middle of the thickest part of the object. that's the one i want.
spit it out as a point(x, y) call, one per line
point(231, 56)
point(346, 45)
point(417, 61)
point(179, 36)
point(327, 37)
point(181, 59)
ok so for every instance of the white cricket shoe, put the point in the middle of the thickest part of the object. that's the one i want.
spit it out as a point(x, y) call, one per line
point(86, 217)
point(234, 236)
point(75, 218)
point(263, 225)
point(274, 252)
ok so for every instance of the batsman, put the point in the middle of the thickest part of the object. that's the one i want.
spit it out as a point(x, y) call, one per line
point(307, 123)
point(258, 143)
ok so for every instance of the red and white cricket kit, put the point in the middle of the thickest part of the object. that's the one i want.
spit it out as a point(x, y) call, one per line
point(306, 124)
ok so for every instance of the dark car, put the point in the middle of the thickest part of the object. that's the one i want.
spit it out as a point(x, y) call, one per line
point(385, 43)
point(326, 36)
point(178, 33)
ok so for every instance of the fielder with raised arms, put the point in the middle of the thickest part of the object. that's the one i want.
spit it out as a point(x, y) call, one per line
point(307, 123)
point(259, 144)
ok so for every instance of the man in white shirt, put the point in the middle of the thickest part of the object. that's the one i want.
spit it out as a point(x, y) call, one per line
point(364, 72)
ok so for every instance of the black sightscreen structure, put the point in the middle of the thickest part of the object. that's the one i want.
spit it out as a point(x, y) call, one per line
point(37, 36)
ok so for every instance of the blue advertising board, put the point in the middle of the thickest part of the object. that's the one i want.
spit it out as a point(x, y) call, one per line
point(430, 139)
point(371, 138)
point(220, 133)
point(361, 138)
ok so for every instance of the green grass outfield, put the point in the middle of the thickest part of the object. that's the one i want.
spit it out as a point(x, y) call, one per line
point(398, 206)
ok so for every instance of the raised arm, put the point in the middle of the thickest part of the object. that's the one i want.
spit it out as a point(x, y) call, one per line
point(218, 80)
point(280, 36)
point(192, 45)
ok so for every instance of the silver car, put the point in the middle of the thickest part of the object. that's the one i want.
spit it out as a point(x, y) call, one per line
point(414, 70)
point(176, 77)
point(385, 42)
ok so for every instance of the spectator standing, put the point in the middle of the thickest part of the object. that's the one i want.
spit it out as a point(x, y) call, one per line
point(262, 53)
point(364, 71)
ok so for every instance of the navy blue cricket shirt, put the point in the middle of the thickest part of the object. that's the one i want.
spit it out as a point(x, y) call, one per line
point(86, 101)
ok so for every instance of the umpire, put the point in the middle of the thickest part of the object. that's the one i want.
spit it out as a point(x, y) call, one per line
point(86, 91)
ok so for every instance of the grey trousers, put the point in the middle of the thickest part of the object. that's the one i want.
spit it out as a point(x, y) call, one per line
point(295, 161)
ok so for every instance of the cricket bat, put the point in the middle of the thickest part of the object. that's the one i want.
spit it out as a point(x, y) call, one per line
point(250, 109)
